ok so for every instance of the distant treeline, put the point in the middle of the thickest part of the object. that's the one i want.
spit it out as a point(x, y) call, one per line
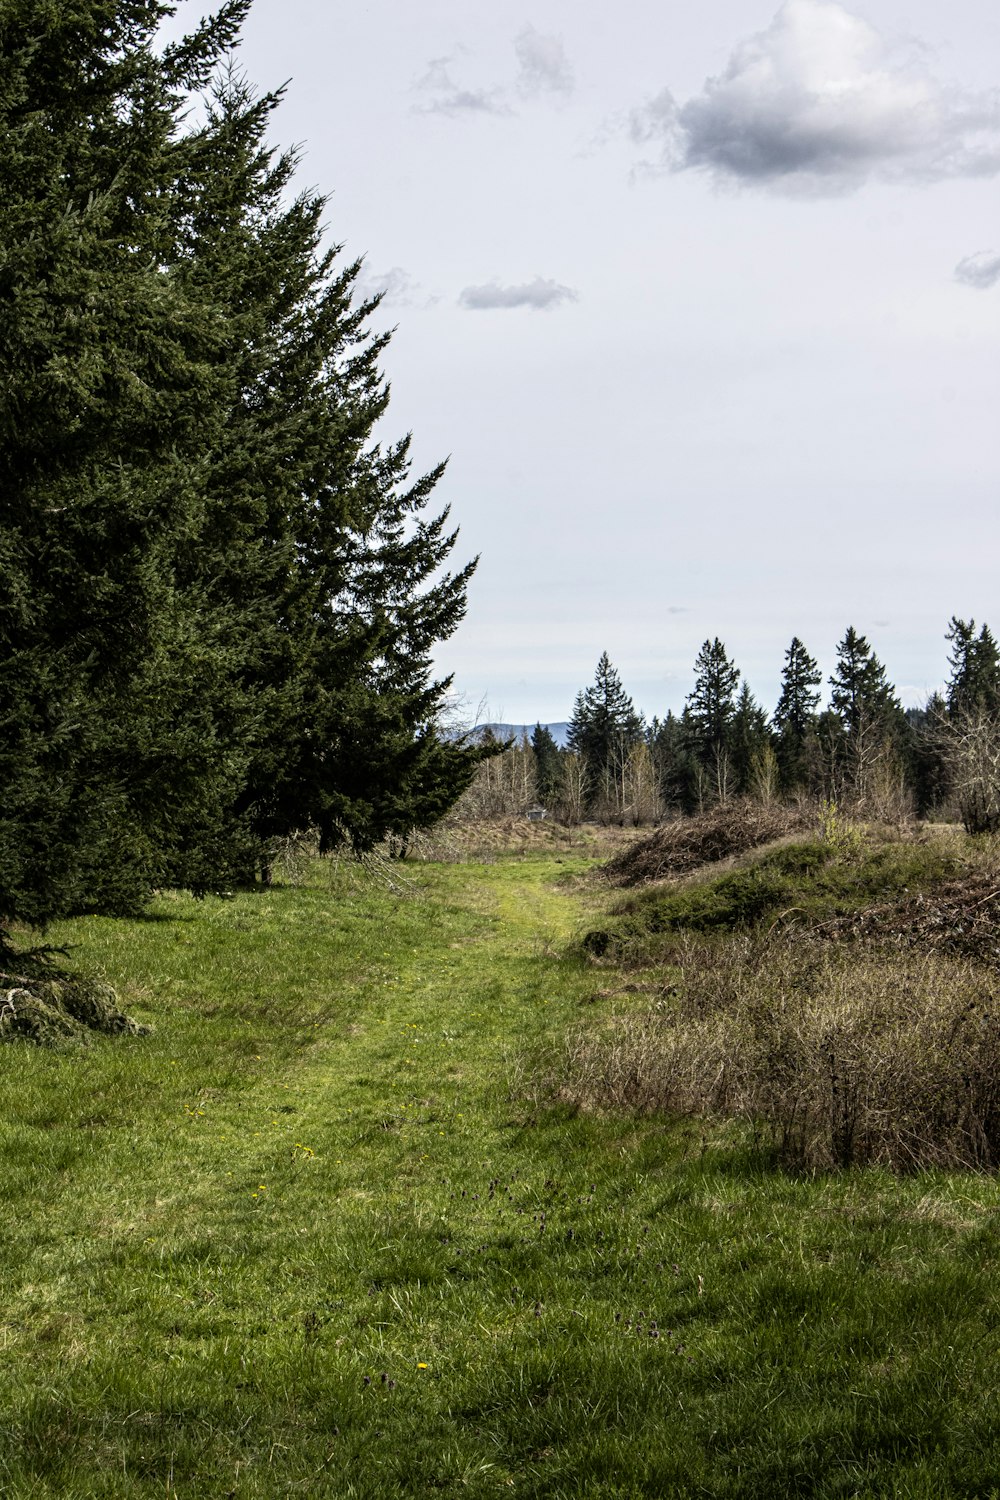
point(863, 749)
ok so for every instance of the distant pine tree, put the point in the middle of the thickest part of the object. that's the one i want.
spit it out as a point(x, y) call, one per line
point(604, 726)
point(794, 717)
point(930, 771)
point(708, 718)
point(675, 771)
point(870, 740)
point(860, 689)
point(974, 681)
point(749, 741)
point(548, 765)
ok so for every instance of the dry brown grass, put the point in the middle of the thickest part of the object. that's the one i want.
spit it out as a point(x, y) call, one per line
point(840, 1054)
point(688, 843)
point(482, 840)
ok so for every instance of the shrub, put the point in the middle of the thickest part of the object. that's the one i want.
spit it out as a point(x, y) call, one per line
point(841, 1056)
point(973, 756)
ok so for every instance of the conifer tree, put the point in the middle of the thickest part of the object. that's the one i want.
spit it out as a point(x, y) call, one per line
point(219, 595)
point(930, 735)
point(548, 765)
point(795, 715)
point(675, 769)
point(319, 549)
point(869, 738)
point(861, 693)
point(974, 683)
point(749, 740)
point(604, 725)
point(110, 396)
point(708, 716)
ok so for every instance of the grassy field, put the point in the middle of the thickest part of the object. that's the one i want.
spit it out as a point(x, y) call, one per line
point(321, 1233)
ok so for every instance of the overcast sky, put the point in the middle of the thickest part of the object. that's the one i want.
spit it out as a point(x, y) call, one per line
point(702, 302)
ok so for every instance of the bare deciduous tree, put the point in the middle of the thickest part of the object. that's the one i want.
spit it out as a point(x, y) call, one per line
point(973, 756)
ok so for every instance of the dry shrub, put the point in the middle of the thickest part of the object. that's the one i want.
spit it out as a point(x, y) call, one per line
point(972, 753)
point(731, 828)
point(842, 1056)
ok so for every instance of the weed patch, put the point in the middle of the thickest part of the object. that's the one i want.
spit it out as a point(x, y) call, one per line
point(835, 996)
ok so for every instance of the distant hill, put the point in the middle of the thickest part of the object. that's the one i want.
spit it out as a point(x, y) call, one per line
point(517, 731)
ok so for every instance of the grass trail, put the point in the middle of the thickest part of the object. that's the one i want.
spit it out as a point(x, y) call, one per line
point(313, 1237)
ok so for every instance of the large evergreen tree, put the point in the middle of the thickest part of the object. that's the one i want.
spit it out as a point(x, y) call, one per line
point(218, 597)
point(319, 551)
point(110, 396)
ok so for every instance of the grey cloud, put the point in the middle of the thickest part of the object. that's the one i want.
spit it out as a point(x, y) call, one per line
point(981, 270)
point(396, 287)
point(538, 295)
point(447, 98)
point(820, 102)
point(543, 66)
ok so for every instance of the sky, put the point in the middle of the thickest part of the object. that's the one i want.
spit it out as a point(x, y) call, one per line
point(702, 304)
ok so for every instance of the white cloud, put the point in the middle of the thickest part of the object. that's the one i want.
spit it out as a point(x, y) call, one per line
point(538, 295)
point(821, 102)
point(396, 287)
point(542, 69)
point(981, 270)
point(543, 66)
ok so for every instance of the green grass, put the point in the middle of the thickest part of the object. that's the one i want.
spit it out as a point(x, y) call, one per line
point(809, 879)
point(318, 1235)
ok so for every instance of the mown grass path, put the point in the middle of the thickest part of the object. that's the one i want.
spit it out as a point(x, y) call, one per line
point(317, 1235)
